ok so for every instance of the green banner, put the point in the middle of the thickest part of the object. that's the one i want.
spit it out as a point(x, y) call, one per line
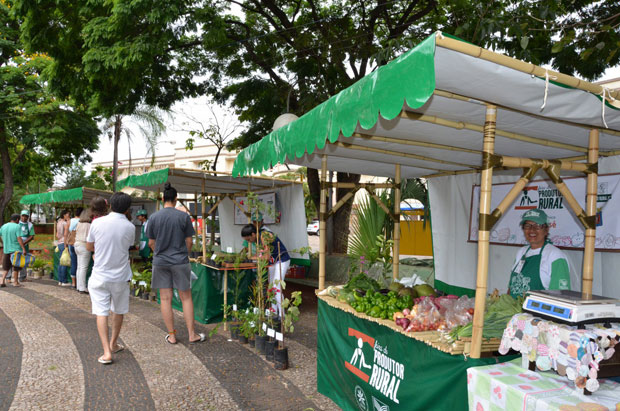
point(208, 292)
point(362, 365)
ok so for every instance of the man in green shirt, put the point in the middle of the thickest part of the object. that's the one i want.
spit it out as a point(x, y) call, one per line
point(11, 242)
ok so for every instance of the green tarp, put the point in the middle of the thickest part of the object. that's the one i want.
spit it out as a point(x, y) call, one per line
point(208, 292)
point(60, 196)
point(144, 180)
point(57, 265)
point(362, 365)
point(408, 79)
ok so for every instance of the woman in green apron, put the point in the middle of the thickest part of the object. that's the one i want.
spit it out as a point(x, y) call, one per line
point(144, 251)
point(539, 265)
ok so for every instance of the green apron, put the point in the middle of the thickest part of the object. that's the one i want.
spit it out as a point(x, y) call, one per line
point(145, 250)
point(525, 275)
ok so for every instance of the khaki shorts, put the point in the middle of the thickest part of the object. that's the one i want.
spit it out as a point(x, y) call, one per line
point(172, 276)
point(108, 296)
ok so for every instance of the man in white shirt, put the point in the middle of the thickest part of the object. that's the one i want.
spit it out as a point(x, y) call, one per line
point(110, 238)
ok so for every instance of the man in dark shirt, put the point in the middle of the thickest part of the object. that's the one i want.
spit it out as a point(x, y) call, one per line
point(170, 234)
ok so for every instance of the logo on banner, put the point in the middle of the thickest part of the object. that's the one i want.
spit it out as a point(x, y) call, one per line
point(544, 198)
point(529, 199)
point(386, 373)
point(360, 397)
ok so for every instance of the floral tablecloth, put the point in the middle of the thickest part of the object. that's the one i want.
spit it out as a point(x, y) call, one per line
point(508, 386)
point(569, 351)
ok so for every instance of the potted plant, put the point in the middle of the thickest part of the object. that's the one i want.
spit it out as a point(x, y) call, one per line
point(290, 315)
point(37, 268)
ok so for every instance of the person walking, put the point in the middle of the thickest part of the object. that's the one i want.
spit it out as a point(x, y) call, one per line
point(70, 242)
point(110, 238)
point(27, 234)
point(83, 255)
point(11, 242)
point(62, 231)
point(143, 249)
point(170, 234)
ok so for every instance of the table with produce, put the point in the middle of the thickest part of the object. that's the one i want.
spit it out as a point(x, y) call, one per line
point(402, 344)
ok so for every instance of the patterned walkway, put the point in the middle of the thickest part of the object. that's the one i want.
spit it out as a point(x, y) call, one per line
point(49, 348)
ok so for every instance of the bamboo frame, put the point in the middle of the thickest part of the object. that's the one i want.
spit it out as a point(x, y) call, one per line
point(460, 125)
point(522, 66)
point(396, 235)
point(486, 181)
point(204, 224)
point(322, 222)
point(359, 185)
point(157, 200)
point(217, 203)
point(591, 197)
point(415, 143)
point(380, 203)
point(196, 216)
point(351, 146)
point(516, 189)
point(341, 202)
point(517, 162)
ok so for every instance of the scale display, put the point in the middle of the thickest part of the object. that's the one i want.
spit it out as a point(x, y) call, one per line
point(572, 307)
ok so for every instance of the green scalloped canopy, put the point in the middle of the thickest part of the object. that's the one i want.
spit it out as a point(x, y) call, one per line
point(152, 178)
point(60, 196)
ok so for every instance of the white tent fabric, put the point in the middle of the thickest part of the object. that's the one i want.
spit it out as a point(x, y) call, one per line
point(456, 259)
point(291, 229)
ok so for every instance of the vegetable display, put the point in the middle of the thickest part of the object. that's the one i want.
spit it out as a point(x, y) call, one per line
point(378, 305)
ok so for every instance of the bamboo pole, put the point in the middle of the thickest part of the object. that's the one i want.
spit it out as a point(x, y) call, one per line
point(226, 298)
point(351, 146)
point(322, 216)
point(341, 202)
point(157, 200)
point(414, 143)
point(522, 66)
point(591, 197)
point(217, 203)
point(515, 191)
point(517, 162)
point(486, 182)
point(196, 216)
point(396, 235)
point(554, 175)
point(380, 203)
point(359, 185)
point(204, 224)
point(461, 125)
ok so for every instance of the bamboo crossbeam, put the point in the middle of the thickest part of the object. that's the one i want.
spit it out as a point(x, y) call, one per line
point(461, 125)
point(518, 162)
point(516, 189)
point(322, 216)
point(196, 234)
point(204, 224)
point(414, 143)
point(600, 153)
point(247, 214)
point(351, 146)
point(380, 204)
point(157, 200)
point(396, 235)
point(341, 202)
point(486, 181)
point(359, 185)
point(217, 203)
point(522, 66)
point(566, 193)
point(591, 198)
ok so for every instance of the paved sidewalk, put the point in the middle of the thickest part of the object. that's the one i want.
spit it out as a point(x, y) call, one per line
point(49, 348)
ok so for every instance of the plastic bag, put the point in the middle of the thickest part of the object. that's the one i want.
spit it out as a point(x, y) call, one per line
point(192, 277)
point(458, 312)
point(65, 258)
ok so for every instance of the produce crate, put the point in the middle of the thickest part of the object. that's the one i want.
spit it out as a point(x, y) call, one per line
point(296, 271)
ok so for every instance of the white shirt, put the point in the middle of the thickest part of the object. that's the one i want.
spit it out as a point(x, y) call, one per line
point(112, 235)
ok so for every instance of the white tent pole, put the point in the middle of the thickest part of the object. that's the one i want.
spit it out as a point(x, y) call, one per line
point(486, 183)
point(322, 217)
point(396, 236)
point(591, 196)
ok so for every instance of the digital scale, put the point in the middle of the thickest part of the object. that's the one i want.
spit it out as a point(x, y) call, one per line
point(572, 307)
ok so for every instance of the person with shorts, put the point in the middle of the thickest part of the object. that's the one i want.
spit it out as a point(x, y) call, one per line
point(110, 238)
point(170, 234)
point(11, 242)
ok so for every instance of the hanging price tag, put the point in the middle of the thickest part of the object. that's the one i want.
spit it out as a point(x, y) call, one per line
point(255, 310)
point(271, 332)
point(279, 337)
point(264, 327)
point(267, 312)
point(214, 256)
point(251, 323)
point(234, 307)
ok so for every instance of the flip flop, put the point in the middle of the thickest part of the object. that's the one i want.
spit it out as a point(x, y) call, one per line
point(168, 341)
point(120, 348)
point(2, 285)
point(102, 361)
point(202, 338)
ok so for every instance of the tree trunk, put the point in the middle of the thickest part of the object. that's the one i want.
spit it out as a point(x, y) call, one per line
point(7, 172)
point(343, 216)
point(117, 136)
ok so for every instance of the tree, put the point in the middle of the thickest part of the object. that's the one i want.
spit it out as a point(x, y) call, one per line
point(99, 178)
point(149, 122)
point(38, 132)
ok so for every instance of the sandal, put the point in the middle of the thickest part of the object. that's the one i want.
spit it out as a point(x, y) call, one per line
point(167, 338)
point(102, 361)
point(202, 338)
point(119, 348)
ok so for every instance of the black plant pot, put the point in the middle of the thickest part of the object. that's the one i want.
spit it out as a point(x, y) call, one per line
point(269, 348)
point(234, 331)
point(243, 339)
point(280, 358)
point(260, 343)
point(252, 341)
point(145, 295)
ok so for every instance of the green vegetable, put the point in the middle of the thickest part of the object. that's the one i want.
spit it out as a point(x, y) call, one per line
point(362, 282)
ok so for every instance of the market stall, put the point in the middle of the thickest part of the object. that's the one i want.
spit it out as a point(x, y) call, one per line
point(448, 111)
point(228, 195)
point(79, 197)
